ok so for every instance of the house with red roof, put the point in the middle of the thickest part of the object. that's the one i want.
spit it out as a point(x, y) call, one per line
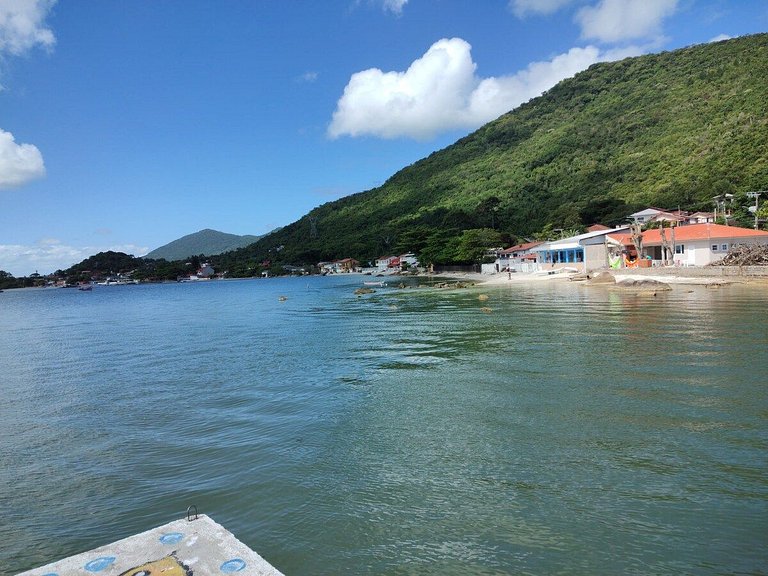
point(384, 263)
point(693, 244)
point(517, 258)
point(344, 265)
point(676, 217)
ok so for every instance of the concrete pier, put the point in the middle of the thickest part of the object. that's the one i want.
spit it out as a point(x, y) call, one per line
point(198, 546)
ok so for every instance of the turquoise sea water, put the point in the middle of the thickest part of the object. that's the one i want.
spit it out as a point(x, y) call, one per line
point(567, 431)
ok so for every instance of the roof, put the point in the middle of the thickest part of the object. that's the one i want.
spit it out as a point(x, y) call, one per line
point(693, 232)
point(647, 212)
point(521, 247)
point(577, 241)
point(674, 216)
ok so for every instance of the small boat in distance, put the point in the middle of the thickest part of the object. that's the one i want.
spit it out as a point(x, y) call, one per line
point(85, 287)
point(372, 283)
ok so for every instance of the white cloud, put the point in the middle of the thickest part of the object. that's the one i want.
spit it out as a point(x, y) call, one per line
point(495, 96)
point(22, 25)
point(19, 163)
point(522, 8)
point(394, 6)
point(22, 28)
point(50, 254)
point(440, 92)
point(619, 20)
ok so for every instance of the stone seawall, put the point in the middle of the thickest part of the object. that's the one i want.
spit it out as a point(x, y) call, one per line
point(698, 272)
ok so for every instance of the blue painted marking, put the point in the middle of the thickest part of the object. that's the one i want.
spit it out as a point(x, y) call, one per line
point(99, 564)
point(171, 538)
point(234, 565)
point(51, 574)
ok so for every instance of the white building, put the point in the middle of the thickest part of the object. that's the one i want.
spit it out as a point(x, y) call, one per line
point(695, 244)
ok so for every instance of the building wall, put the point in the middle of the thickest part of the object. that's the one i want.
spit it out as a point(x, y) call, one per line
point(703, 272)
point(595, 256)
point(700, 253)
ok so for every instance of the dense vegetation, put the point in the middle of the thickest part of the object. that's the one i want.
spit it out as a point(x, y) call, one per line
point(668, 130)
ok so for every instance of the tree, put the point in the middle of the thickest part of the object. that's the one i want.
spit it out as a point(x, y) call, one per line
point(474, 244)
point(489, 207)
point(637, 238)
point(440, 248)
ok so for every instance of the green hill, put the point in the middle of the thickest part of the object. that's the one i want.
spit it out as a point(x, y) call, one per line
point(670, 129)
point(208, 242)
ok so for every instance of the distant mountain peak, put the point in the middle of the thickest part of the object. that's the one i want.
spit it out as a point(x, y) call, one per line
point(207, 241)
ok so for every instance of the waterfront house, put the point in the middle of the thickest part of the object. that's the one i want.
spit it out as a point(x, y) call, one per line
point(384, 263)
point(347, 264)
point(581, 253)
point(205, 271)
point(408, 260)
point(693, 244)
point(342, 266)
point(517, 258)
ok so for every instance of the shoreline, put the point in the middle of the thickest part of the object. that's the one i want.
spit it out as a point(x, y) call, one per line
point(680, 276)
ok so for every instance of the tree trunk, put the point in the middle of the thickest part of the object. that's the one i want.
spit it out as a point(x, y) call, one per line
point(637, 238)
point(665, 253)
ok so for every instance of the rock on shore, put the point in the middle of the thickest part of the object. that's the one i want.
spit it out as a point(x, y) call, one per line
point(644, 284)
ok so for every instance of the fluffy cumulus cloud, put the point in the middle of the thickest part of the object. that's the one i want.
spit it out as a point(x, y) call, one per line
point(494, 96)
point(22, 25)
point(522, 8)
point(440, 92)
point(49, 255)
point(619, 20)
point(19, 163)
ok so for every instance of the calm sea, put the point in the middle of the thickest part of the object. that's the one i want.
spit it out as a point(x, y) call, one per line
point(567, 430)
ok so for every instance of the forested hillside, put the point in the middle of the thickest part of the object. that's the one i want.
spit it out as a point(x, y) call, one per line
point(666, 129)
point(206, 242)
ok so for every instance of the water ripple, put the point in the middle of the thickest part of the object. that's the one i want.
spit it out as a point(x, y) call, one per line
point(562, 430)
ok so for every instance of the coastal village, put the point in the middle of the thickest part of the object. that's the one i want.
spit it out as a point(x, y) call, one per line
point(652, 238)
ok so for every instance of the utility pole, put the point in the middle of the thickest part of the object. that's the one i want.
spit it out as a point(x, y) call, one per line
point(755, 195)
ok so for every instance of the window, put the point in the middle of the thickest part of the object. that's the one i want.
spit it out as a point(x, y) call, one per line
point(724, 247)
point(714, 247)
point(679, 248)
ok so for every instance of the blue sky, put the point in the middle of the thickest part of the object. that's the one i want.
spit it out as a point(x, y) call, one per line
point(127, 124)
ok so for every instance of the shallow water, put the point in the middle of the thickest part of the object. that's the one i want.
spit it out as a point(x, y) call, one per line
point(569, 430)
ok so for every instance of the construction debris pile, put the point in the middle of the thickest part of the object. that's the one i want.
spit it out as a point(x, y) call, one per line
point(745, 256)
